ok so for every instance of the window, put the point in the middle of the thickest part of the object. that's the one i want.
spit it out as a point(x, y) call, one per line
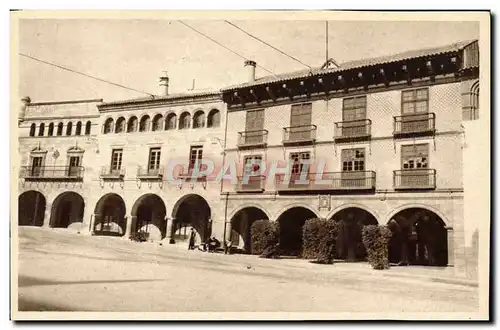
point(185, 120)
point(415, 156)
point(116, 160)
point(78, 128)
point(354, 108)
point(195, 157)
point(154, 159)
point(199, 119)
point(60, 129)
point(171, 121)
point(132, 124)
point(36, 165)
point(470, 107)
point(415, 101)
point(157, 122)
point(69, 128)
point(144, 124)
point(353, 160)
point(32, 129)
point(254, 126)
point(41, 129)
point(88, 127)
point(51, 129)
point(300, 120)
point(252, 168)
point(300, 162)
point(213, 118)
point(74, 166)
point(120, 125)
point(108, 125)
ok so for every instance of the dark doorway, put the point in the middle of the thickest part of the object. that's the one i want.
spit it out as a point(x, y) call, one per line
point(109, 216)
point(241, 224)
point(290, 223)
point(191, 211)
point(150, 212)
point(31, 208)
point(351, 221)
point(67, 208)
point(419, 237)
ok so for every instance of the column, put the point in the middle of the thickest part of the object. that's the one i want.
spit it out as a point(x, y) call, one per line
point(128, 225)
point(451, 247)
point(170, 226)
point(46, 216)
point(227, 233)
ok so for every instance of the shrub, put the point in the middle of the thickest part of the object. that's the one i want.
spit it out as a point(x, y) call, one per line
point(376, 241)
point(140, 236)
point(327, 249)
point(264, 234)
point(311, 237)
point(270, 252)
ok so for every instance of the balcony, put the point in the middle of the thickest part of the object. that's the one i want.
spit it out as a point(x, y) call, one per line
point(299, 135)
point(52, 173)
point(415, 179)
point(252, 139)
point(145, 173)
point(328, 181)
point(253, 184)
point(414, 125)
point(108, 173)
point(355, 130)
point(189, 174)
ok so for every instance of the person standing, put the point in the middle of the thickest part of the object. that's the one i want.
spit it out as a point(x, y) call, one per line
point(192, 237)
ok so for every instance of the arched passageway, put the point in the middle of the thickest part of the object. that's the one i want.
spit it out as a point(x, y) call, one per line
point(349, 243)
point(419, 237)
point(148, 215)
point(31, 208)
point(67, 209)
point(290, 223)
point(191, 211)
point(109, 216)
point(241, 224)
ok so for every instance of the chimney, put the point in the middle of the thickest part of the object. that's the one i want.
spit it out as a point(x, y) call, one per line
point(22, 110)
point(250, 65)
point(164, 83)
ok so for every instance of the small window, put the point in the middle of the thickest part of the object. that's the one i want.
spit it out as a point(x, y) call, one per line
point(41, 129)
point(144, 124)
point(116, 160)
point(60, 129)
point(470, 107)
point(415, 101)
point(300, 162)
point(32, 129)
point(213, 118)
point(120, 125)
point(171, 121)
point(51, 129)
point(195, 157)
point(108, 126)
point(354, 108)
point(154, 159)
point(36, 166)
point(353, 160)
point(88, 127)
point(78, 130)
point(199, 119)
point(415, 156)
point(252, 164)
point(132, 124)
point(69, 128)
point(185, 120)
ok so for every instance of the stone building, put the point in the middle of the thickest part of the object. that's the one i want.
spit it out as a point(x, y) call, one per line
point(379, 141)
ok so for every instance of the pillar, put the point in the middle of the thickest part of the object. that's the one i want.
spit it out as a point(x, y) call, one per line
point(46, 216)
point(169, 233)
point(451, 247)
point(228, 231)
point(128, 226)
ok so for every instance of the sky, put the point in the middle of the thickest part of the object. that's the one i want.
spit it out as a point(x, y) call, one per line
point(134, 53)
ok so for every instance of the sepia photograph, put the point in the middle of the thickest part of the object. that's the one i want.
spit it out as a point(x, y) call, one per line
point(250, 165)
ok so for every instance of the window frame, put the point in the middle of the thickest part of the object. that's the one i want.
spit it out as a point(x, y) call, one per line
point(354, 107)
point(414, 101)
point(414, 156)
point(154, 159)
point(119, 160)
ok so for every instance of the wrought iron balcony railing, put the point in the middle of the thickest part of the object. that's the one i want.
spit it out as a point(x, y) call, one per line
point(251, 184)
point(109, 173)
point(146, 173)
point(332, 181)
point(55, 173)
point(353, 130)
point(190, 174)
point(299, 134)
point(248, 139)
point(415, 179)
point(414, 125)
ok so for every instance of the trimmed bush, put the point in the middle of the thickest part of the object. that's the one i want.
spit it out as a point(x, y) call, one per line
point(311, 238)
point(264, 234)
point(327, 249)
point(140, 236)
point(376, 241)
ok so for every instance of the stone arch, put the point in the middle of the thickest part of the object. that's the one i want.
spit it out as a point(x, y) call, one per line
point(51, 130)
point(145, 123)
point(109, 216)
point(291, 222)
point(214, 118)
point(67, 209)
point(120, 125)
point(78, 130)
point(88, 127)
point(184, 120)
point(69, 128)
point(191, 210)
point(199, 119)
point(132, 124)
point(148, 215)
point(170, 120)
point(41, 129)
point(241, 224)
point(108, 125)
point(289, 206)
point(241, 207)
point(400, 208)
point(354, 205)
point(31, 208)
point(32, 129)
point(157, 123)
point(60, 129)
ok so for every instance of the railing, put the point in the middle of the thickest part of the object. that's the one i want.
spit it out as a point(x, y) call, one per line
point(110, 173)
point(355, 129)
point(149, 173)
point(252, 138)
point(299, 134)
point(414, 124)
point(355, 180)
point(415, 179)
point(52, 172)
point(189, 174)
point(251, 184)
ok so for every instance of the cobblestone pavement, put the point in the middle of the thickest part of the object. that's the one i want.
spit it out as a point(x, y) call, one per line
point(60, 271)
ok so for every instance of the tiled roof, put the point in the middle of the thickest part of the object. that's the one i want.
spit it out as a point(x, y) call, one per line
point(355, 64)
point(177, 96)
